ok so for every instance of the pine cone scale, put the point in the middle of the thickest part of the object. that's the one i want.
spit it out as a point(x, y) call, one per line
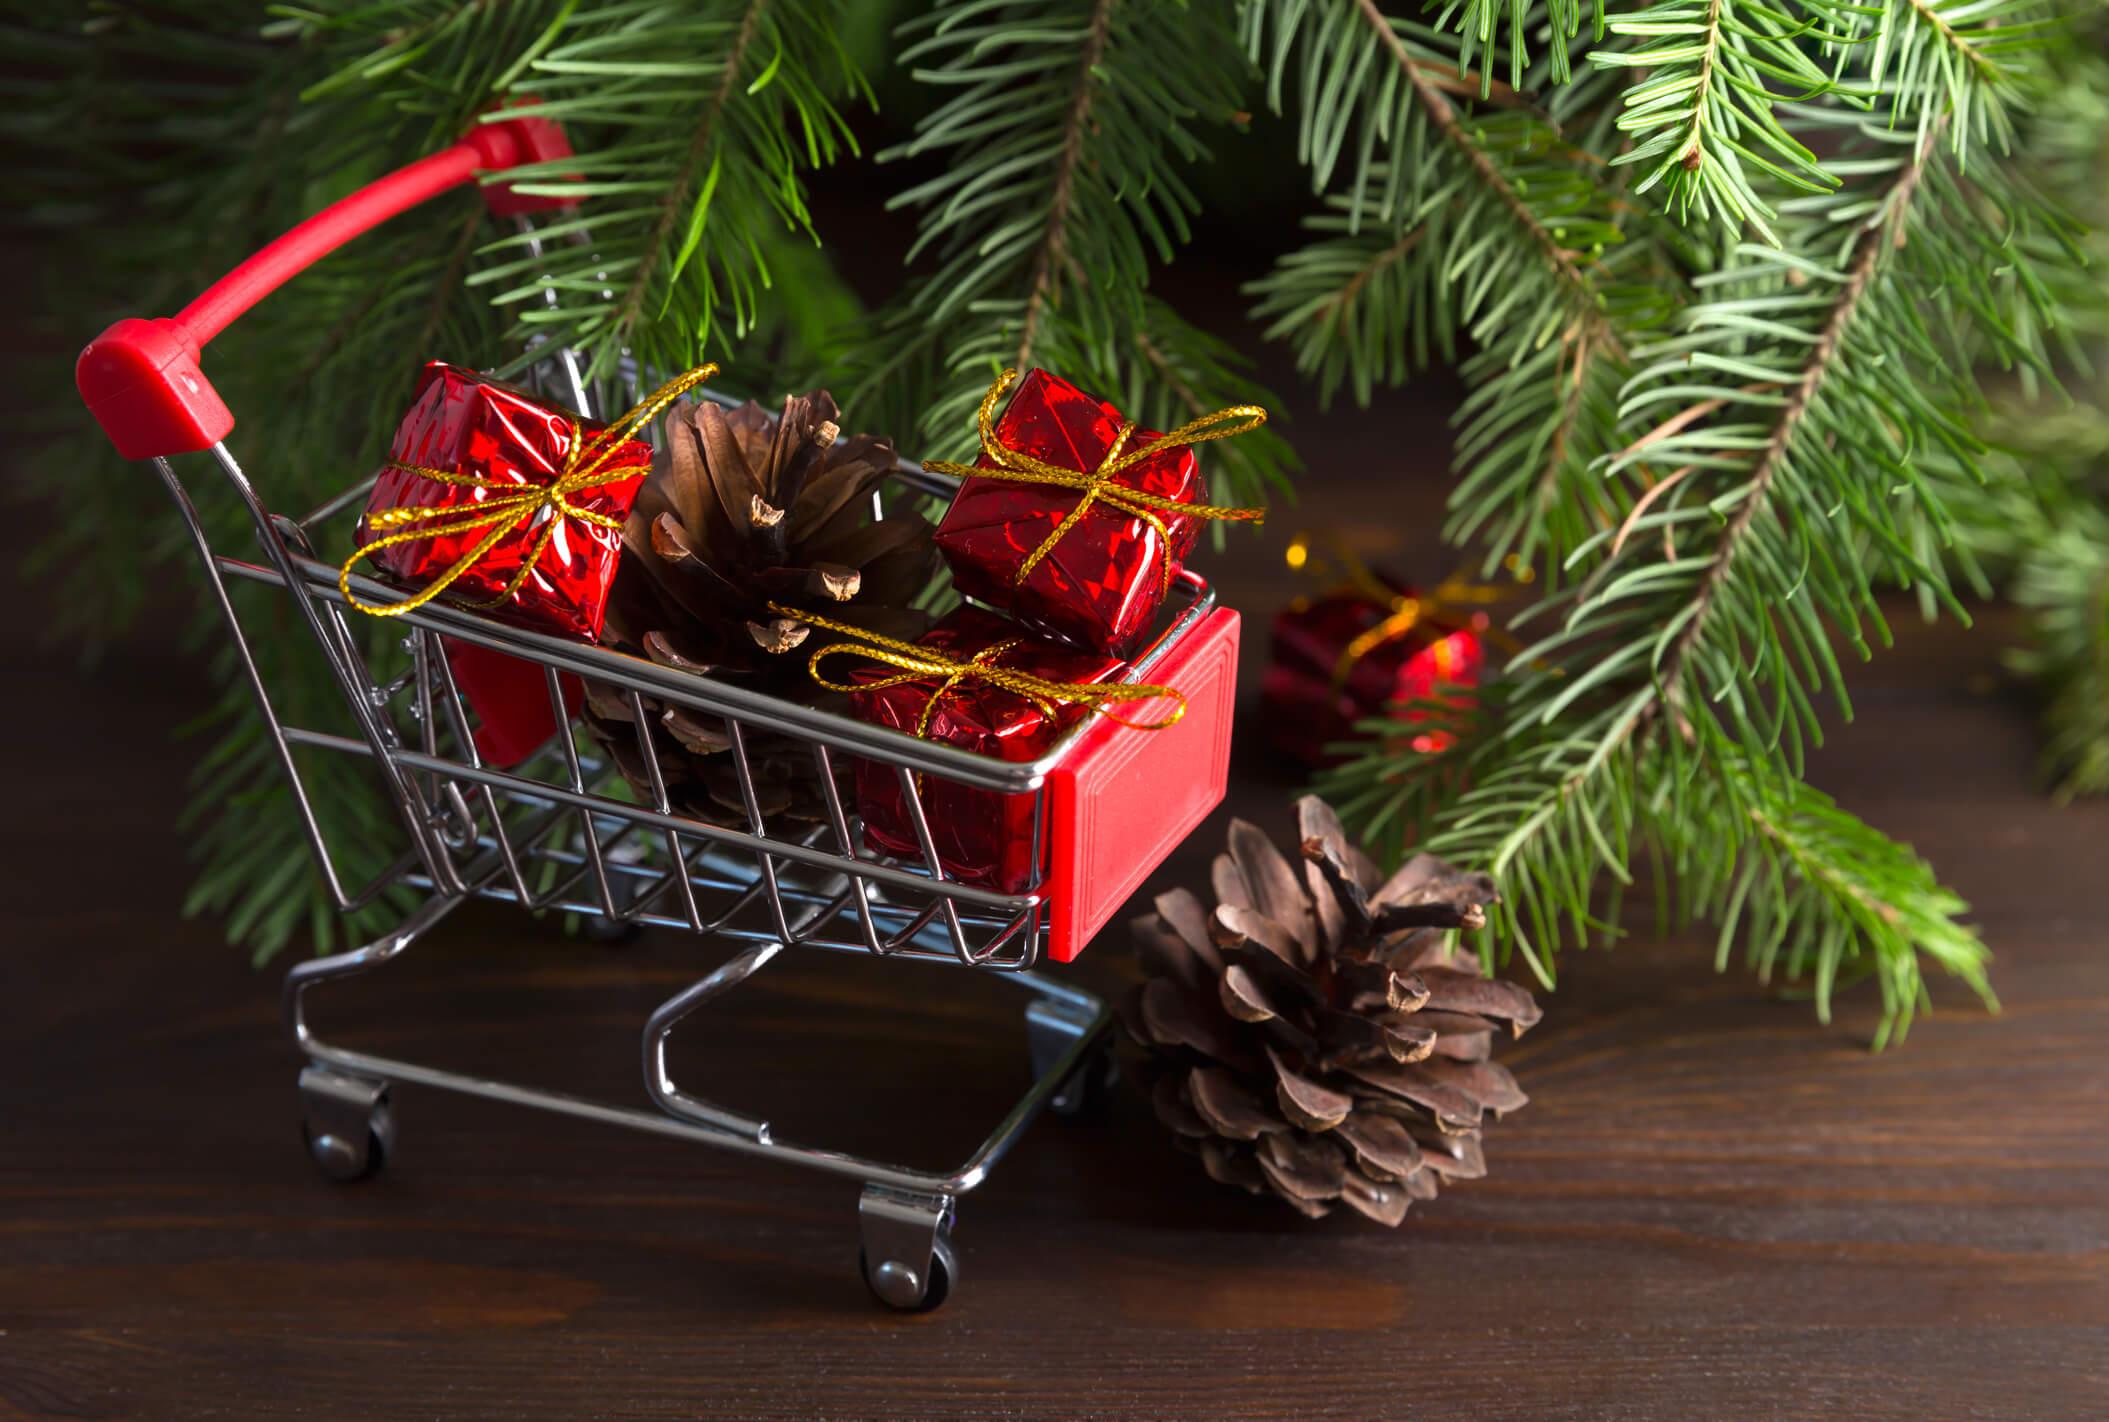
point(1384, 1203)
point(1226, 1107)
point(1382, 1144)
point(1450, 990)
point(1184, 914)
point(1242, 996)
point(1275, 890)
point(1410, 1082)
point(1235, 926)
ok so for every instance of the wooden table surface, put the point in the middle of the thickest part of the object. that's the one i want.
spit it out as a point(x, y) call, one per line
point(1713, 1207)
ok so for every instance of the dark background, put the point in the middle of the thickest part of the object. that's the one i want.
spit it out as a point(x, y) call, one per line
point(1713, 1207)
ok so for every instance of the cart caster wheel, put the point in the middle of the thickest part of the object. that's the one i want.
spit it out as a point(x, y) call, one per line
point(335, 1157)
point(1085, 1094)
point(346, 1123)
point(895, 1284)
point(599, 928)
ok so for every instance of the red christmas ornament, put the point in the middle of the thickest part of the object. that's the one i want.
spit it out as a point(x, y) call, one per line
point(1348, 655)
point(1074, 521)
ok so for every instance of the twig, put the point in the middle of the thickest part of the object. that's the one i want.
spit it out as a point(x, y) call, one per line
point(1885, 232)
point(1640, 506)
point(677, 191)
point(1428, 89)
point(1053, 255)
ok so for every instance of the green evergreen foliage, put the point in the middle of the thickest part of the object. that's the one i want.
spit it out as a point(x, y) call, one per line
point(2064, 583)
point(1720, 479)
point(1723, 278)
point(2044, 526)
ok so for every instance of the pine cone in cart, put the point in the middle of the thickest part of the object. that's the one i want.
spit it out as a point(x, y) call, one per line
point(1315, 1034)
point(741, 511)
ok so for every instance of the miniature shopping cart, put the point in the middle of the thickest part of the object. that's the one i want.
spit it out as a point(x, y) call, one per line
point(560, 832)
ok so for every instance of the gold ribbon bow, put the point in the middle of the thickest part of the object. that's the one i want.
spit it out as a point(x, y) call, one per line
point(586, 466)
point(1098, 484)
point(918, 663)
point(1452, 594)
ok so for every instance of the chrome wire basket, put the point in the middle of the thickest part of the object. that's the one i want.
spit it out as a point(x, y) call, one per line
point(562, 831)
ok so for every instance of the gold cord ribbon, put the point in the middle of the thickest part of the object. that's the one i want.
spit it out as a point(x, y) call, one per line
point(918, 663)
point(1098, 484)
point(586, 466)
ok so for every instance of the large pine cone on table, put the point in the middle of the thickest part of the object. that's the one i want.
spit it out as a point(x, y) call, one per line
point(743, 510)
point(1315, 1034)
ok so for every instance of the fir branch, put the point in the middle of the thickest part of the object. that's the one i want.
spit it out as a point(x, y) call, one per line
point(2041, 522)
point(1822, 898)
point(445, 291)
point(1556, 23)
point(696, 127)
point(1669, 701)
point(701, 143)
point(1355, 311)
point(1530, 437)
point(2065, 586)
point(1712, 433)
point(1444, 116)
point(1881, 238)
point(1184, 372)
point(1969, 60)
point(1053, 254)
point(1583, 352)
point(1165, 373)
point(1703, 113)
point(1336, 307)
point(1928, 14)
point(1490, 220)
point(1065, 145)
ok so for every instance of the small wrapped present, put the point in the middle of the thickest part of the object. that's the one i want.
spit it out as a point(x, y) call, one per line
point(1373, 641)
point(974, 681)
point(495, 499)
point(510, 696)
point(1074, 521)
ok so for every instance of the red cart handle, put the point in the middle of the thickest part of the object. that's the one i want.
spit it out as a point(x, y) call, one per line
point(140, 379)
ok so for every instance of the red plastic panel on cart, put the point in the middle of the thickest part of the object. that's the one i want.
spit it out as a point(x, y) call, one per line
point(1124, 799)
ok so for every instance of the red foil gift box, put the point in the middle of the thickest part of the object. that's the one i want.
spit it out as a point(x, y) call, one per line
point(496, 441)
point(468, 449)
point(510, 696)
point(1347, 656)
point(1118, 799)
point(983, 837)
point(1097, 579)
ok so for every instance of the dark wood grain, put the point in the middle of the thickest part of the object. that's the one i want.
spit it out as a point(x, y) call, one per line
point(1714, 1206)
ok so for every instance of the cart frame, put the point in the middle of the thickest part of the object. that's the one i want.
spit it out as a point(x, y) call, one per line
point(555, 834)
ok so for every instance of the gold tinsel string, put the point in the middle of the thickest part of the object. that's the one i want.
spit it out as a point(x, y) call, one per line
point(918, 663)
point(585, 466)
point(1098, 484)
